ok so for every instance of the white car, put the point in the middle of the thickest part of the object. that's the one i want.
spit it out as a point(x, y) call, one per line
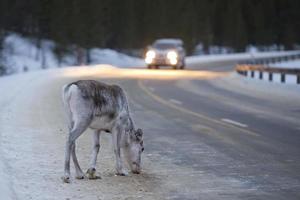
point(166, 52)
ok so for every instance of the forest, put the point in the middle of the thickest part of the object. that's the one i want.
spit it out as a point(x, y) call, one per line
point(133, 24)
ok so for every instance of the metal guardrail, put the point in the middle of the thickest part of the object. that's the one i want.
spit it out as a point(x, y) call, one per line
point(249, 67)
point(270, 60)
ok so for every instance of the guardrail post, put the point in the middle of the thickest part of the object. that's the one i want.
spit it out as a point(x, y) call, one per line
point(270, 76)
point(252, 74)
point(298, 79)
point(242, 72)
point(282, 77)
point(260, 75)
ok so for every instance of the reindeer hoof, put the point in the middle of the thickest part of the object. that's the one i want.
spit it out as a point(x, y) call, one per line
point(66, 179)
point(91, 174)
point(80, 177)
point(121, 174)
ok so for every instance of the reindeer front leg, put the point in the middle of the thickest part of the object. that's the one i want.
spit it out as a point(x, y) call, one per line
point(116, 137)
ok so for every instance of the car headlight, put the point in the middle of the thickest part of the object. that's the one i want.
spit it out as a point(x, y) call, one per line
point(150, 55)
point(172, 55)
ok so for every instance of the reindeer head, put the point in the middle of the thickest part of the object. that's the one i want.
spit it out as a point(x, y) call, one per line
point(135, 149)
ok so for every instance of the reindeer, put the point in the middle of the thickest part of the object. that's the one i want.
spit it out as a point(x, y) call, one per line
point(103, 108)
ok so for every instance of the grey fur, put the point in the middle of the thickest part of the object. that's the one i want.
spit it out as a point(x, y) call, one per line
point(102, 107)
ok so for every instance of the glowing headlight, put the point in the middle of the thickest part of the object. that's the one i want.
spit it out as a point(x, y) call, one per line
point(173, 61)
point(150, 54)
point(148, 60)
point(172, 55)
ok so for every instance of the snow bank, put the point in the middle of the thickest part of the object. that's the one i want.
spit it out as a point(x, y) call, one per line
point(289, 64)
point(22, 54)
point(112, 57)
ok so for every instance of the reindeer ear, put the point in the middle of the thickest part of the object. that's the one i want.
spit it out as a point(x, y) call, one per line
point(139, 134)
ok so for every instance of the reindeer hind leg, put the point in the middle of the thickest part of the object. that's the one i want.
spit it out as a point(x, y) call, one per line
point(77, 130)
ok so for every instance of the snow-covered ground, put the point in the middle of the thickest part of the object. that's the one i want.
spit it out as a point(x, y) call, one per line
point(20, 53)
point(32, 140)
point(31, 164)
point(290, 64)
point(33, 131)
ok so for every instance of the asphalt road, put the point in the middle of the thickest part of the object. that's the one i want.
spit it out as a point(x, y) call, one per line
point(208, 135)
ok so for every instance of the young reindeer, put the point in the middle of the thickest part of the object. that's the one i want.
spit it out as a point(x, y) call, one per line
point(101, 107)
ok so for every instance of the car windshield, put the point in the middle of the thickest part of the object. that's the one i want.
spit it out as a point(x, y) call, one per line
point(164, 46)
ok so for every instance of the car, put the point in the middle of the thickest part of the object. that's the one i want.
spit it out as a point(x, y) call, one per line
point(165, 52)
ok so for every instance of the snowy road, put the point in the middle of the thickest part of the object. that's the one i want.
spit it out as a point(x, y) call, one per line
point(195, 144)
